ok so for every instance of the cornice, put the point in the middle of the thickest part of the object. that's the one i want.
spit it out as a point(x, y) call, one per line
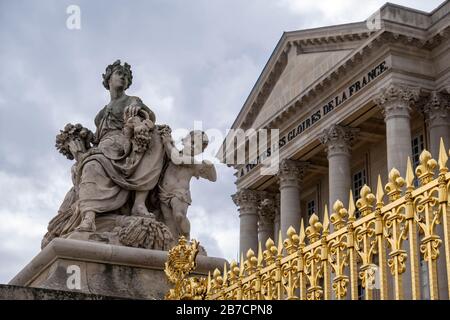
point(347, 66)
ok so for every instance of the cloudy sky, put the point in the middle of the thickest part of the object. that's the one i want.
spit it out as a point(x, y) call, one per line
point(192, 60)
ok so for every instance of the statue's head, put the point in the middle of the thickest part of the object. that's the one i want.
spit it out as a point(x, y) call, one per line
point(118, 76)
point(195, 142)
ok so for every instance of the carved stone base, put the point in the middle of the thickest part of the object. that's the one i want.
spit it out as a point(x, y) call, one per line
point(105, 269)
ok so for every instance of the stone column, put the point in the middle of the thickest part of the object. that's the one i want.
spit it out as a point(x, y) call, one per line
point(438, 121)
point(266, 210)
point(290, 173)
point(395, 102)
point(247, 200)
point(277, 219)
point(337, 140)
point(438, 117)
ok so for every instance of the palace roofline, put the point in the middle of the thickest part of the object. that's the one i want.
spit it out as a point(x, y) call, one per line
point(334, 33)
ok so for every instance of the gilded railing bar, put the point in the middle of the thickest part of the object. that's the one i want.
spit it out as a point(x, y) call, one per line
point(432, 272)
point(382, 259)
point(432, 267)
point(326, 270)
point(301, 270)
point(444, 177)
point(413, 241)
point(446, 221)
point(396, 255)
point(353, 266)
point(367, 292)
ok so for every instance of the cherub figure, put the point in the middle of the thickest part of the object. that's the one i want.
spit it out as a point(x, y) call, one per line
point(174, 190)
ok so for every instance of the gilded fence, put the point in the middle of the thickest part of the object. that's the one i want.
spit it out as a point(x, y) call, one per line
point(393, 244)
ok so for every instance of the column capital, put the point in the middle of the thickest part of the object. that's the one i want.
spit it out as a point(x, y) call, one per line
point(267, 209)
point(395, 100)
point(247, 199)
point(291, 171)
point(437, 109)
point(338, 139)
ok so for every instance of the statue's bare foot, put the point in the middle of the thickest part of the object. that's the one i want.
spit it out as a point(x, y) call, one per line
point(141, 210)
point(87, 225)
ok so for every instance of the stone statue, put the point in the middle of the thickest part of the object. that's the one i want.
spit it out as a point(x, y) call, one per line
point(126, 189)
point(174, 194)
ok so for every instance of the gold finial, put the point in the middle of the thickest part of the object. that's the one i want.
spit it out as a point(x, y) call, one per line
point(217, 279)
point(425, 170)
point(326, 222)
point(302, 232)
point(270, 253)
point(443, 157)
point(380, 192)
point(209, 282)
point(241, 266)
point(260, 255)
point(290, 231)
point(280, 244)
point(351, 207)
point(269, 243)
point(409, 174)
point(234, 272)
point(251, 262)
point(181, 260)
point(216, 273)
point(225, 273)
point(395, 184)
point(339, 214)
point(250, 253)
point(292, 240)
point(364, 204)
point(313, 231)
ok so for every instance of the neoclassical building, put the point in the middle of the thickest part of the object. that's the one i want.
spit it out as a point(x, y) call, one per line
point(351, 102)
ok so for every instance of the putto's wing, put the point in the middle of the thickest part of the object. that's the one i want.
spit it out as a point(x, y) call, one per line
point(207, 170)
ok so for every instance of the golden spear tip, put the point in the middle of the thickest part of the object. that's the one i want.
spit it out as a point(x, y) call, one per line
point(280, 243)
point(302, 231)
point(241, 265)
point(225, 273)
point(351, 206)
point(380, 191)
point(326, 220)
point(409, 173)
point(260, 254)
point(443, 157)
point(209, 282)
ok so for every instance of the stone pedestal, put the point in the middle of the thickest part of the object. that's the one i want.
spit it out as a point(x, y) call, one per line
point(8, 292)
point(104, 269)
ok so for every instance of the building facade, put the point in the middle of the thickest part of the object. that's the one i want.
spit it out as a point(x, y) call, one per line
point(350, 102)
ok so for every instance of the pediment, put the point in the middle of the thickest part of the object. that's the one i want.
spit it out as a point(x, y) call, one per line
point(302, 69)
point(299, 59)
